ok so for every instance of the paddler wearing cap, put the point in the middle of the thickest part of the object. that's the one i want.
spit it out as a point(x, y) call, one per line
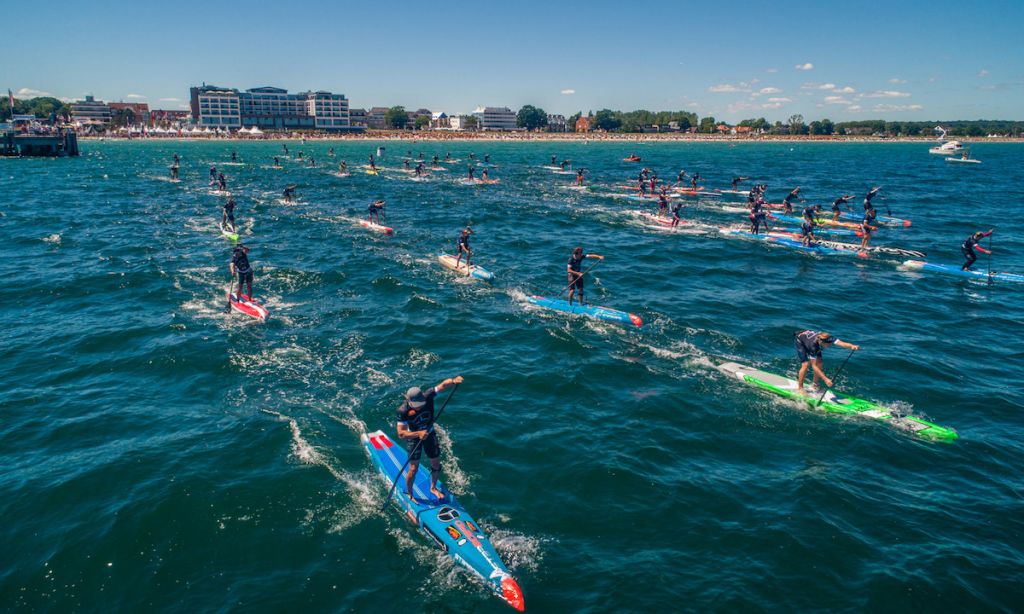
point(809, 346)
point(463, 246)
point(416, 424)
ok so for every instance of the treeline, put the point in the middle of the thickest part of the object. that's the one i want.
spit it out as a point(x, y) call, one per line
point(40, 107)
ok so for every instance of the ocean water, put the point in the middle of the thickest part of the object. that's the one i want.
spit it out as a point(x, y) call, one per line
point(159, 454)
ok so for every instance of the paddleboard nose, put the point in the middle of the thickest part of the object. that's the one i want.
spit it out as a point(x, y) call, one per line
point(511, 593)
point(635, 319)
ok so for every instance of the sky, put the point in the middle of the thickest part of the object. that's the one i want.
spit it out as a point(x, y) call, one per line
point(841, 60)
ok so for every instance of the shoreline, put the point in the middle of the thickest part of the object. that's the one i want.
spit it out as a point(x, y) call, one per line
point(562, 137)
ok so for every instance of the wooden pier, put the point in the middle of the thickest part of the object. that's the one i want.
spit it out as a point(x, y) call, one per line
point(61, 144)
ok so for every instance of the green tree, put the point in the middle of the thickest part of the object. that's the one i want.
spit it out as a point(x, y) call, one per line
point(606, 119)
point(472, 122)
point(707, 125)
point(396, 117)
point(421, 122)
point(531, 117)
point(796, 124)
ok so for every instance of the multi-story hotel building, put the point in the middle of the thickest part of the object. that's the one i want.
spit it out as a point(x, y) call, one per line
point(495, 118)
point(268, 108)
point(90, 111)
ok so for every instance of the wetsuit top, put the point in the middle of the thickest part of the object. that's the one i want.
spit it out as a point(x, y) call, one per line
point(679, 177)
point(809, 213)
point(213, 171)
point(240, 260)
point(288, 192)
point(869, 214)
point(662, 201)
point(464, 240)
point(375, 206)
point(487, 158)
point(810, 341)
point(790, 196)
point(576, 264)
point(869, 196)
point(972, 242)
point(229, 207)
point(839, 201)
point(676, 207)
point(421, 418)
point(579, 173)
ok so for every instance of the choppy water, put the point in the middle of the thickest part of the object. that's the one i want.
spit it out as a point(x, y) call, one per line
point(160, 454)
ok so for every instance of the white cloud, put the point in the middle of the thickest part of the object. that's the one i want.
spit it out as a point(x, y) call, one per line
point(170, 100)
point(568, 92)
point(27, 92)
point(896, 81)
point(895, 108)
point(770, 90)
point(804, 66)
point(827, 86)
point(844, 90)
point(836, 100)
point(854, 108)
point(779, 100)
point(772, 70)
point(771, 105)
point(136, 96)
point(885, 94)
point(983, 73)
point(727, 88)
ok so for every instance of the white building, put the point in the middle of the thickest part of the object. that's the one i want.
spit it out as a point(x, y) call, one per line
point(90, 111)
point(219, 108)
point(457, 122)
point(269, 108)
point(556, 123)
point(495, 118)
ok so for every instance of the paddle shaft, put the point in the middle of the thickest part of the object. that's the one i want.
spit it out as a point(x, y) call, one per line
point(414, 449)
point(990, 258)
point(836, 376)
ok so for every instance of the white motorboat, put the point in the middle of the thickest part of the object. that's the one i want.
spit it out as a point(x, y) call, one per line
point(946, 148)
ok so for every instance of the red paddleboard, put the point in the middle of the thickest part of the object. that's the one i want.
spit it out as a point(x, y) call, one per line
point(377, 227)
point(246, 305)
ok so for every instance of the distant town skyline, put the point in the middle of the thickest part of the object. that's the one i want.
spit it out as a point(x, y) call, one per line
point(898, 61)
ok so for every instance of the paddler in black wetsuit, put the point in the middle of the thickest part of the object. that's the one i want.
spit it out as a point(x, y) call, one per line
point(289, 194)
point(222, 182)
point(277, 162)
point(418, 171)
point(435, 161)
point(416, 428)
point(809, 346)
point(373, 163)
point(330, 152)
point(807, 227)
point(564, 164)
point(448, 157)
point(228, 218)
point(284, 146)
point(758, 216)
point(240, 265)
point(694, 178)
point(471, 171)
point(871, 194)
point(787, 204)
point(343, 167)
point(213, 176)
point(554, 161)
point(375, 210)
point(234, 157)
point(736, 181)
point(662, 203)
point(177, 160)
point(174, 171)
point(405, 163)
point(675, 213)
point(973, 242)
point(462, 245)
point(837, 204)
point(867, 224)
point(487, 158)
point(575, 272)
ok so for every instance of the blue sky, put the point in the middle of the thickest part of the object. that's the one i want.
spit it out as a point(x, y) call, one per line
point(733, 60)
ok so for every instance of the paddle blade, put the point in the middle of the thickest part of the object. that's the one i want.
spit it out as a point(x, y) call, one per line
point(635, 319)
point(511, 593)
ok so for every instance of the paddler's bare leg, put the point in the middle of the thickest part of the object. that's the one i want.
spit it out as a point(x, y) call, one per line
point(435, 472)
point(410, 477)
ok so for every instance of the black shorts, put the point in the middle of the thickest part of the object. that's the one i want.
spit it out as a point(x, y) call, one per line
point(803, 355)
point(429, 444)
point(244, 276)
point(576, 284)
point(464, 248)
